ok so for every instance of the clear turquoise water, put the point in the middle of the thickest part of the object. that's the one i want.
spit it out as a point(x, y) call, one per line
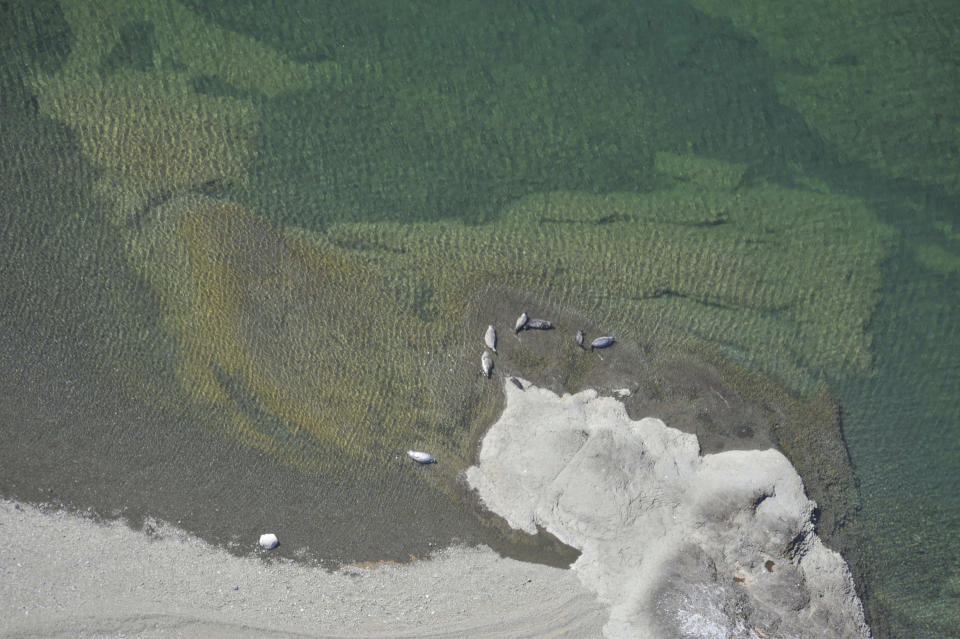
point(450, 111)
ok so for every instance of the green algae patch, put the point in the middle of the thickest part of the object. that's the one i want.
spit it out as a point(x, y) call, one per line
point(943, 255)
point(937, 258)
point(301, 345)
point(873, 82)
point(153, 133)
point(131, 89)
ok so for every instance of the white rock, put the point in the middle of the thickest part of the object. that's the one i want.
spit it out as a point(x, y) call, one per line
point(269, 541)
point(669, 537)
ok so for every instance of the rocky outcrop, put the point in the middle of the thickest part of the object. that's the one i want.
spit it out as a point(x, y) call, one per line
point(678, 544)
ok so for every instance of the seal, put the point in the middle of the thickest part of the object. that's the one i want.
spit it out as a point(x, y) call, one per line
point(486, 363)
point(490, 338)
point(579, 338)
point(521, 322)
point(602, 342)
point(538, 324)
point(421, 457)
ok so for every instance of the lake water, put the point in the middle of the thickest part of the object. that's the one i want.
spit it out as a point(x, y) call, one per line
point(247, 254)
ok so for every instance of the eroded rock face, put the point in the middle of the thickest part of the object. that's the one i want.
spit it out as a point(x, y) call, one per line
point(677, 544)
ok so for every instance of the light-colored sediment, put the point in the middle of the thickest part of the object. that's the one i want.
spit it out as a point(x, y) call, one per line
point(677, 544)
point(65, 576)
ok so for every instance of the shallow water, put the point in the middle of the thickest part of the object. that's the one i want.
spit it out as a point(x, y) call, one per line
point(784, 190)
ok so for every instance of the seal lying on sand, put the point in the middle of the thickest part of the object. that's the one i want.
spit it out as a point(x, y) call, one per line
point(486, 363)
point(490, 338)
point(538, 324)
point(602, 342)
point(521, 322)
point(421, 457)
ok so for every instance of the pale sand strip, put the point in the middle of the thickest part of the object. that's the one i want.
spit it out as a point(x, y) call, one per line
point(62, 575)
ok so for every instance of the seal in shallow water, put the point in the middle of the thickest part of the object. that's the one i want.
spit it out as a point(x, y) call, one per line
point(538, 324)
point(490, 338)
point(421, 457)
point(602, 342)
point(521, 322)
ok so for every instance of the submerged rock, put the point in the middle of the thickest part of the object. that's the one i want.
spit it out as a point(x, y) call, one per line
point(675, 543)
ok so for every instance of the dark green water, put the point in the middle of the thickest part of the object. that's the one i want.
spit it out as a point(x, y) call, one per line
point(379, 126)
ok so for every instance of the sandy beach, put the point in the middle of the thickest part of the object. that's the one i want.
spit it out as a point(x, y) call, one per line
point(62, 575)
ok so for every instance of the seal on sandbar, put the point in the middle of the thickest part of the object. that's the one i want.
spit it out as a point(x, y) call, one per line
point(421, 457)
point(486, 363)
point(490, 338)
point(538, 324)
point(602, 342)
point(521, 322)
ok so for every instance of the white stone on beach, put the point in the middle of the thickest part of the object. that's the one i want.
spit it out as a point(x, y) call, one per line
point(668, 537)
point(269, 541)
point(421, 457)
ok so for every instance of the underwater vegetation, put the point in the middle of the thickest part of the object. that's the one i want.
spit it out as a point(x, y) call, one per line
point(782, 277)
point(873, 81)
point(338, 335)
point(334, 339)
